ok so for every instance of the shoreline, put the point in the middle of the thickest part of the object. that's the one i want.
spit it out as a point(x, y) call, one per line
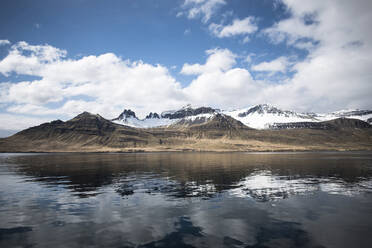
point(190, 151)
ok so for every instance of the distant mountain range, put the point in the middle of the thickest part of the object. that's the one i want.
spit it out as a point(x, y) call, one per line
point(262, 116)
point(259, 128)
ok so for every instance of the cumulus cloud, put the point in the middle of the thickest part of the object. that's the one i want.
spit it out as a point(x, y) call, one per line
point(337, 71)
point(29, 59)
point(4, 42)
point(277, 65)
point(13, 122)
point(237, 27)
point(104, 83)
point(219, 83)
point(218, 60)
point(200, 8)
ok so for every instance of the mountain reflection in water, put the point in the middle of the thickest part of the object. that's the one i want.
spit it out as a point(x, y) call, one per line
point(186, 200)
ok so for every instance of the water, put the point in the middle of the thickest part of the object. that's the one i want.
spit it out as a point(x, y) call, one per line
point(186, 200)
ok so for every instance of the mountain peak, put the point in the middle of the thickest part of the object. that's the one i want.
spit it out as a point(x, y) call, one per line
point(263, 109)
point(84, 115)
point(127, 113)
point(152, 115)
point(187, 111)
point(187, 106)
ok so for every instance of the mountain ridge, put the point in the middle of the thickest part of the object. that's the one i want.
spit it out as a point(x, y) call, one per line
point(87, 132)
point(261, 116)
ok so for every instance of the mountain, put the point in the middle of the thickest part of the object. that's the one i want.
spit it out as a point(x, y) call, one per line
point(129, 118)
point(339, 123)
point(185, 116)
point(84, 130)
point(264, 116)
point(363, 115)
point(204, 131)
point(216, 126)
point(352, 113)
point(187, 111)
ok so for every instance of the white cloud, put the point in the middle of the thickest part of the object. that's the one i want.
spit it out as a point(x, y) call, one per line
point(248, 58)
point(277, 65)
point(36, 92)
point(200, 8)
point(246, 40)
point(187, 31)
point(305, 45)
point(32, 64)
point(219, 84)
point(4, 42)
point(18, 122)
point(237, 27)
point(108, 81)
point(218, 60)
point(337, 71)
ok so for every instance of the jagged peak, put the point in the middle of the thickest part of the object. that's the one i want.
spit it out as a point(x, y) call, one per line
point(186, 111)
point(127, 113)
point(263, 109)
point(152, 115)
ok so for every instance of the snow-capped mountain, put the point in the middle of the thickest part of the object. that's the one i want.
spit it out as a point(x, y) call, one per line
point(262, 116)
point(129, 118)
point(265, 116)
point(185, 116)
point(187, 111)
point(364, 115)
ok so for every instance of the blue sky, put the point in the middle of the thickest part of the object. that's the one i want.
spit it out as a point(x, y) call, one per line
point(137, 30)
point(61, 57)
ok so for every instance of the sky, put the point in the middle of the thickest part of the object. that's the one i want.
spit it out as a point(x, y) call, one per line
point(60, 58)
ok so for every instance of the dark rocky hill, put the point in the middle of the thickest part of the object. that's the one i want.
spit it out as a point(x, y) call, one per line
point(325, 125)
point(85, 130)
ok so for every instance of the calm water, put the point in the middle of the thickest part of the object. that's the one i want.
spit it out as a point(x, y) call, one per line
point(186, 200)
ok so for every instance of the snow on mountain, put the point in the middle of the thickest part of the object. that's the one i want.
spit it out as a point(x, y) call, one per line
point(129, 118)
point(363, 115)
point(185, 116)
point(187, 111)
point(263, 116)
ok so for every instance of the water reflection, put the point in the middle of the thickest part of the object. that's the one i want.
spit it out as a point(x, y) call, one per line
point(264, 186)
point(262, 177)
point(186, 200)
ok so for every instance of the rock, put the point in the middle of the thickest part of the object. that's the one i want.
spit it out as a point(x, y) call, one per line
point(153, 116)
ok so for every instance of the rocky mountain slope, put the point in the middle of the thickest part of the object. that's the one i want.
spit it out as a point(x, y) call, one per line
point(85, 130)
point(339, 123)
